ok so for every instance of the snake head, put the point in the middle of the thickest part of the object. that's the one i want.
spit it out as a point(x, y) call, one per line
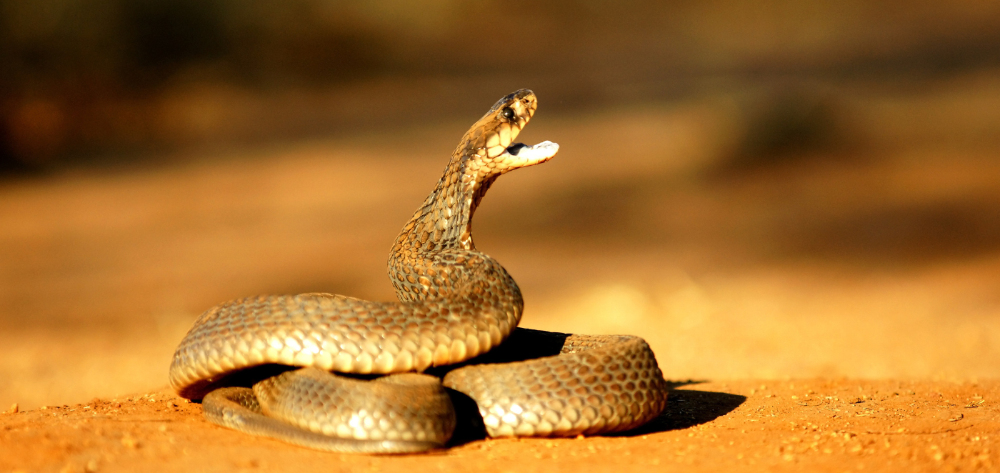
point(488, 147)
point(486, 151)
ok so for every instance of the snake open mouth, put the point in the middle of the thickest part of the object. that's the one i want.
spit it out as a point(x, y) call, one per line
point(522, 155)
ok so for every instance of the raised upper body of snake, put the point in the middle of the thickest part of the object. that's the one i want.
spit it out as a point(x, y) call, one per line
point(455, 304)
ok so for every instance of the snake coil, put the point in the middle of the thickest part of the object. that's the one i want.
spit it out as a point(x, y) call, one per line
point(457, 306)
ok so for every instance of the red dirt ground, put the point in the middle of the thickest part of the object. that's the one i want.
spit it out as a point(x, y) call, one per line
point(806, 425)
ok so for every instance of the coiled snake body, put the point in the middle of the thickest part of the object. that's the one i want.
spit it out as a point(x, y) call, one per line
point(455, 304)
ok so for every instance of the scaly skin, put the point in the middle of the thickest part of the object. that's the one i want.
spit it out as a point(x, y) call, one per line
point(455, 304)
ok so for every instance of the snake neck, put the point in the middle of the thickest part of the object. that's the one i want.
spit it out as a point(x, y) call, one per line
point(444, 221)
point(434, 256)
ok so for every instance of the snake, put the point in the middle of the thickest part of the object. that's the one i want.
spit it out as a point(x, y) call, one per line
point(338, 373)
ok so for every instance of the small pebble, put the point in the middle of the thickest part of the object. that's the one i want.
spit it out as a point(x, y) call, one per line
point(13, 409)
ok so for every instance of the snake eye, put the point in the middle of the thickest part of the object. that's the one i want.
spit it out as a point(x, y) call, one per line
point(508, 113)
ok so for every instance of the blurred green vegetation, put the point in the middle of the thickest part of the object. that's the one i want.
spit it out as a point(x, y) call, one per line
point(83, 78)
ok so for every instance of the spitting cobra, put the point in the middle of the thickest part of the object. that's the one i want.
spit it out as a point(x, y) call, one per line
point(457, 306)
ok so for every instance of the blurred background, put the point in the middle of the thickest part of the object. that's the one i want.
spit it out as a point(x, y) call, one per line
point(760, 189)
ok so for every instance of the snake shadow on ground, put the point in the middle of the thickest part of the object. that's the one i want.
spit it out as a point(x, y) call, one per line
point(687, 408)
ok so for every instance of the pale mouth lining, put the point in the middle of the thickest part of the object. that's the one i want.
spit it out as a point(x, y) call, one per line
point(533, 154)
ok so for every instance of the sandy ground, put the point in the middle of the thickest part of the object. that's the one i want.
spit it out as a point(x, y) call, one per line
point(748, 425)
point(837, 310)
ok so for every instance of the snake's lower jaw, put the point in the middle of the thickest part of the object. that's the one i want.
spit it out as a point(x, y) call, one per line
point(519, 155)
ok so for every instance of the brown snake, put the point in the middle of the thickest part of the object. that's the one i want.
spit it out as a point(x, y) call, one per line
point(455, 304)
